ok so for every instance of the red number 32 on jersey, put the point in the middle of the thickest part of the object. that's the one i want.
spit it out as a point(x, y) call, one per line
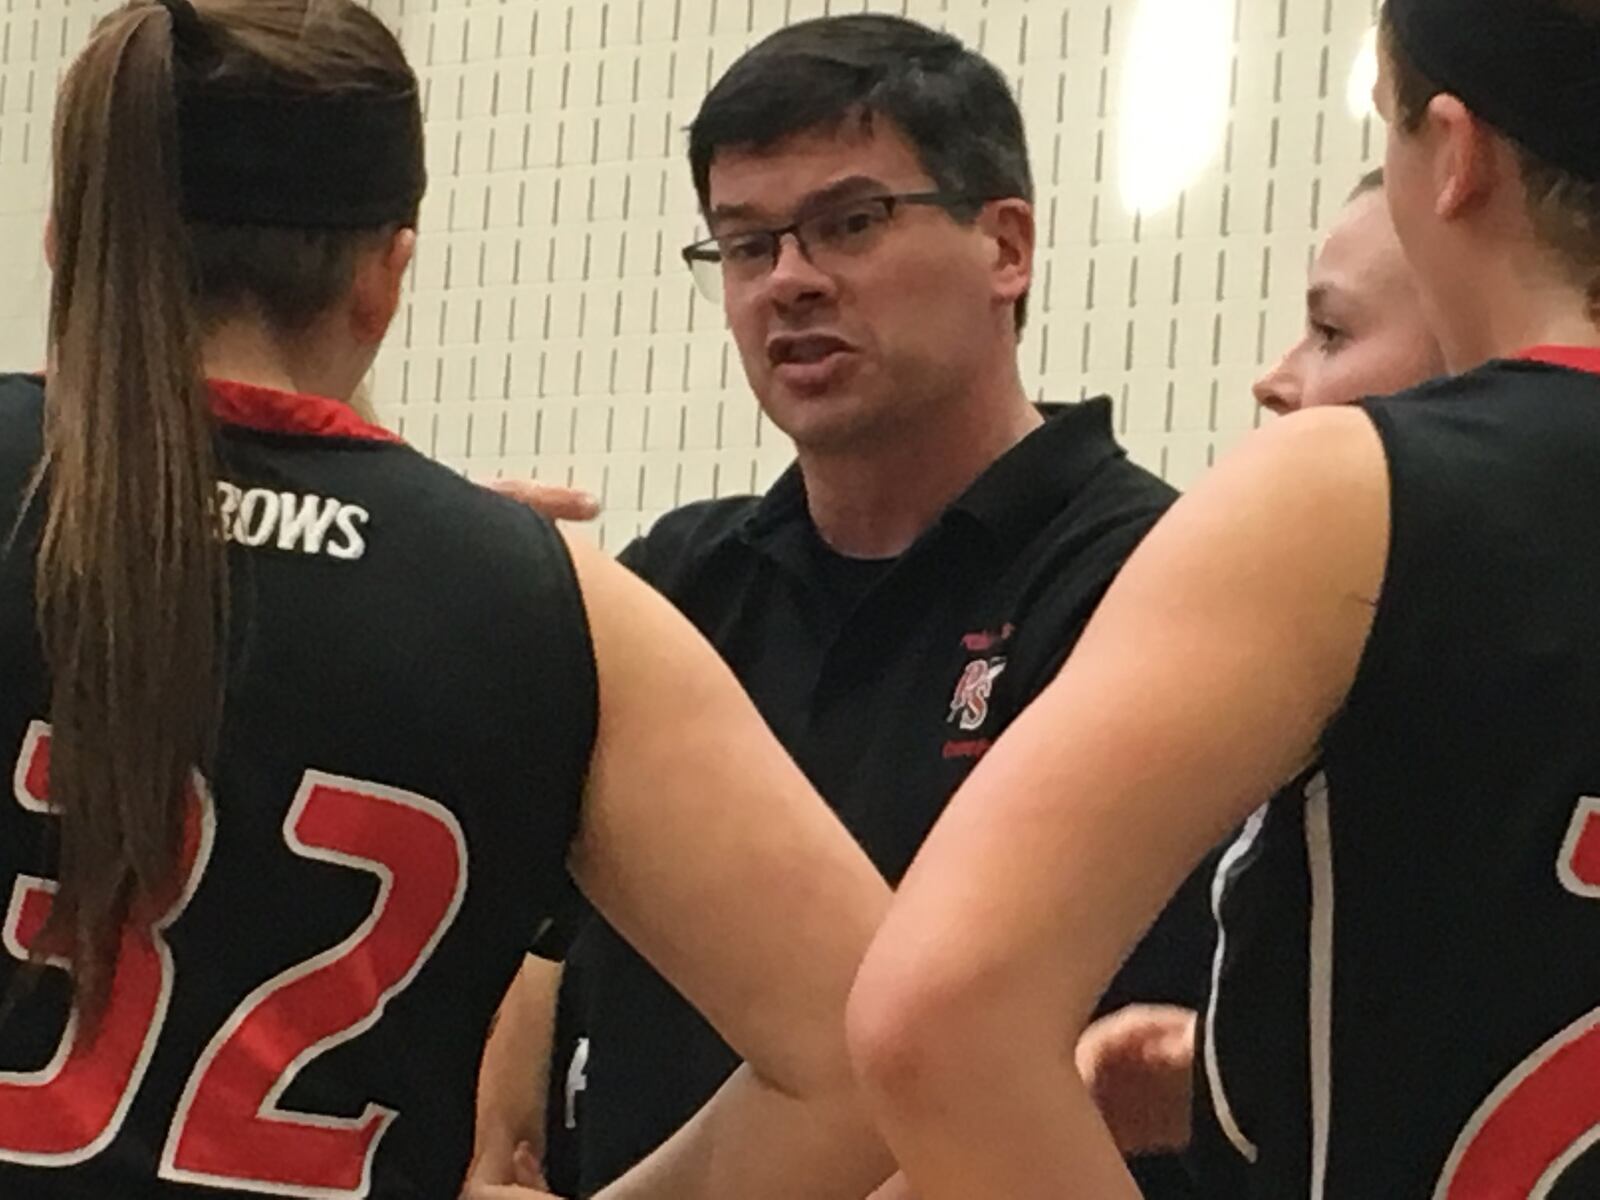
point(230, 1129)
point(1546, 1114)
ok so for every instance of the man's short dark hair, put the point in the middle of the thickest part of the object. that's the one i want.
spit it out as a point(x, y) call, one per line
point(952, 104)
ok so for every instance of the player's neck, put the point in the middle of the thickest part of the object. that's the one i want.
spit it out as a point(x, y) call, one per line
point(1546, 312)
point(875, 501)
point(244, 352)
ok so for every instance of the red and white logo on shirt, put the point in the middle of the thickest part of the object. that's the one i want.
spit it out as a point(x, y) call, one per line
point(969, 707)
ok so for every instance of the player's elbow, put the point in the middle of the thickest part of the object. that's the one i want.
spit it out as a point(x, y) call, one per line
point(913, 1024)
point(812, 1067)
point(816, 1073)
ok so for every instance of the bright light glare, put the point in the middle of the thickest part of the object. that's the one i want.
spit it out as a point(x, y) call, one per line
point(1174, 97)
point(1364, 76)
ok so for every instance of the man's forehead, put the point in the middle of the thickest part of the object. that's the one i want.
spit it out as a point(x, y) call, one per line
point(782, 174)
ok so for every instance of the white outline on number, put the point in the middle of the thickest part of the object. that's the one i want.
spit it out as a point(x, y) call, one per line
point(269, 1110)
point(37, 732)
point(1588, 810)
point(1526, 1069)
point(26, 884)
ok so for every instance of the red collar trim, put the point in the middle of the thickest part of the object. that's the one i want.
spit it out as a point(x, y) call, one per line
point(1574, 358)
point(268, 411)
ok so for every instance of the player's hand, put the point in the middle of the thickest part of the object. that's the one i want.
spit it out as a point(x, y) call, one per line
point(557, 503)
point(495, 1174)
point(1138, 1064)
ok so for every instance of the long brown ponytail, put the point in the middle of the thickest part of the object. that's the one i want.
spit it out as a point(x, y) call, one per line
point(131, 577)
point(132, 573)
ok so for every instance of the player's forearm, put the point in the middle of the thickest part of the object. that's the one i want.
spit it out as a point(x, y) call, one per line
point(753, 1140)
point(966, 1060)
point(506, 1121)
point(1038, 1141)
point(513, 1078)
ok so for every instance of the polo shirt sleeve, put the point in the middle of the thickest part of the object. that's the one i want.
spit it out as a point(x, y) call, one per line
point(636, 557)
point(1078, 594)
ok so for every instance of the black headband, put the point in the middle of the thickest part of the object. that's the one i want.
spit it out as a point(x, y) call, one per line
point(1527, 67)
point(352, 162)
point(315, 161)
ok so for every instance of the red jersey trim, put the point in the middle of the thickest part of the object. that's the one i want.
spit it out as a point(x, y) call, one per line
point(269, 411)
point(1574, 358)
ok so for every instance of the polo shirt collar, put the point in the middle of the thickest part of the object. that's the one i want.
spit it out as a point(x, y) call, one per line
point(1030, 483)
point(783, 504)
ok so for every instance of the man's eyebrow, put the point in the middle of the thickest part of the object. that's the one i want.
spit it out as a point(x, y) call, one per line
point(844, 189)
point(1317, 298)
point(733, 212)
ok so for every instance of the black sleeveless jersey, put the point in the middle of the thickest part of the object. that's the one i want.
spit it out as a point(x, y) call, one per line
point(410, 710)
point(1407, 995)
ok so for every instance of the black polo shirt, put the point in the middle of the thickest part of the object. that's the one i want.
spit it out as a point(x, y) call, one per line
point(886, 681)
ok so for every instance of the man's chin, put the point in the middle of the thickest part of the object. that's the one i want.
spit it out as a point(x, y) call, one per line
point(828, 422)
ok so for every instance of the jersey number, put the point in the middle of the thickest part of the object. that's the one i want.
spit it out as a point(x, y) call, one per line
point(230, 1128)
point(1546, 1113)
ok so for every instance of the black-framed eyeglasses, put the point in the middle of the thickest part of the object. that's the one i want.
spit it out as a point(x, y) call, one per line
point(838, 233)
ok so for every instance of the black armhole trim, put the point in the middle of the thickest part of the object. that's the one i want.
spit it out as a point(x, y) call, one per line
point(1384, 604)
point(588, 704)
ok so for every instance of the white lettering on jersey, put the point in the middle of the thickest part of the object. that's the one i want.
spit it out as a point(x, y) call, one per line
point(354, 545)
point(304, 522)
point(577, 1080)
point(260, 517)
point(227, 507)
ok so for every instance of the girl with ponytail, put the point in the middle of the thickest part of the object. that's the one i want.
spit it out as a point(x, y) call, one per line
point(304, 731)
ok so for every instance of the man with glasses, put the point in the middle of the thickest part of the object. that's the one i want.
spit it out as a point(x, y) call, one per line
point(918, 576)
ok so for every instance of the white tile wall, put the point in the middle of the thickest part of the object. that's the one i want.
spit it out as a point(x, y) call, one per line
point(550, 329)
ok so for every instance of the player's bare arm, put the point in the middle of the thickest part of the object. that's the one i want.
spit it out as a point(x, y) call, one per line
point(1248, 608)
point(516, 1059)
point(513, 1078)
point(705, 846)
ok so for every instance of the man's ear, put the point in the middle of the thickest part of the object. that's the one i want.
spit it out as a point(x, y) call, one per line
point(1012, 231)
